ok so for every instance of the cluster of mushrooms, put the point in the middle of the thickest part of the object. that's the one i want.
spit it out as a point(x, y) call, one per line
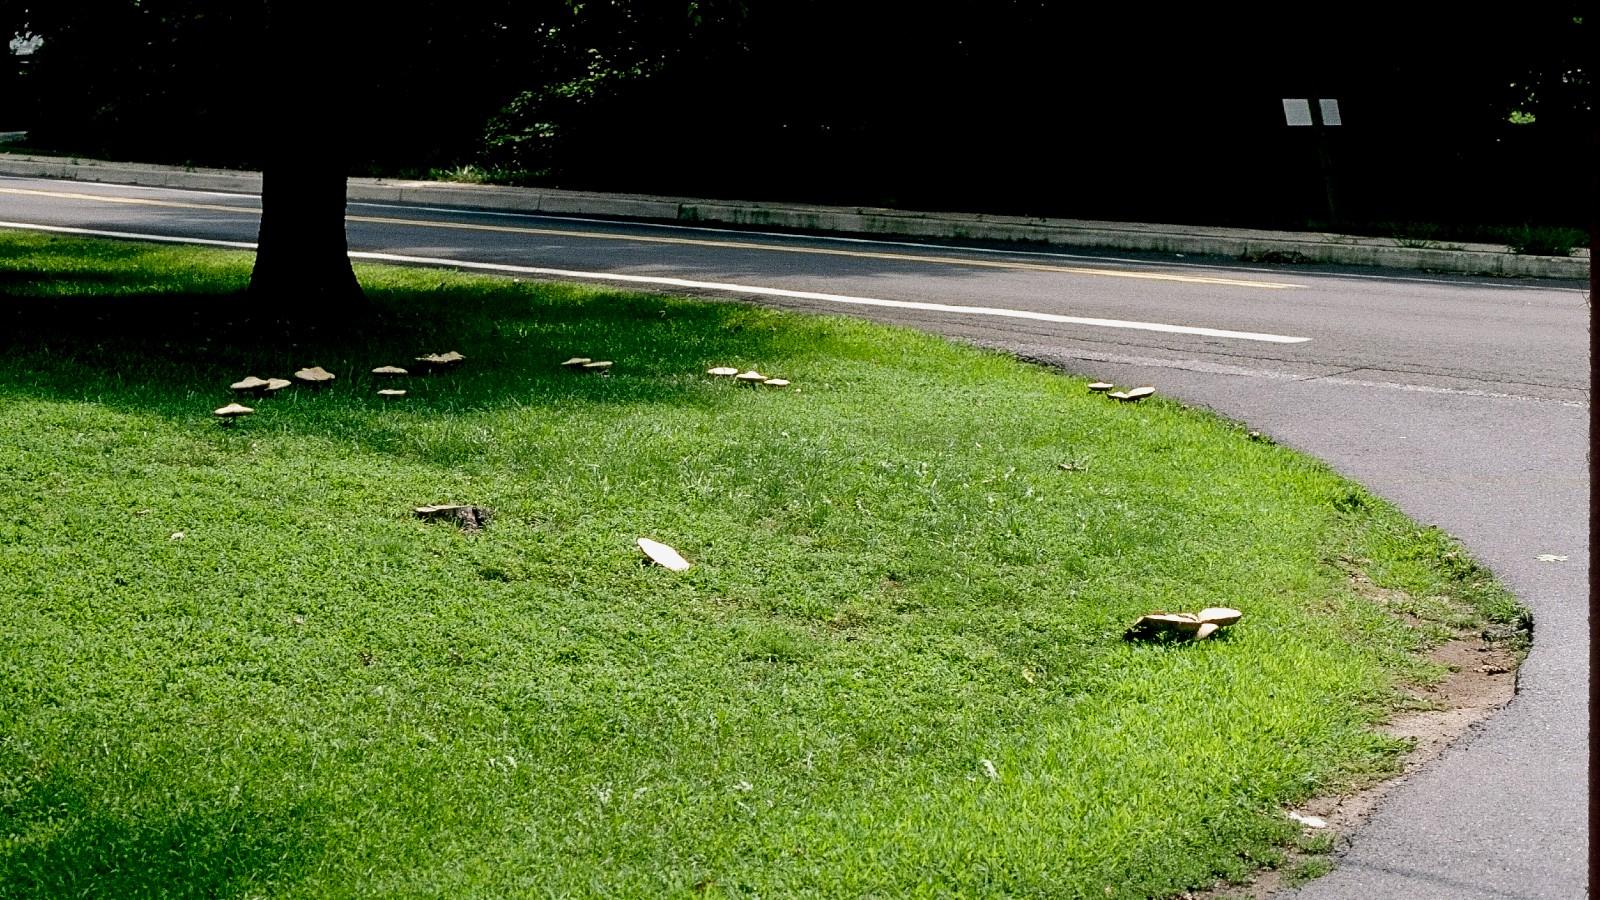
point(1128, 396)
point(317, 377)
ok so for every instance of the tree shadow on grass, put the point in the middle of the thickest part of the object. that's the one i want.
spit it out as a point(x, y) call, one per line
point(175, 353)
point(83, 850)
point(10, 279)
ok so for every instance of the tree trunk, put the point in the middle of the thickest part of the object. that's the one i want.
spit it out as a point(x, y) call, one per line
point(302, 262)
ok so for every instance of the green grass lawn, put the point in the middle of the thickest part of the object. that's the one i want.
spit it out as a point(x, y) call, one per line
point(896, 668)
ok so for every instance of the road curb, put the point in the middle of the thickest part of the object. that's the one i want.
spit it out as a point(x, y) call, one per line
point(1246, 244)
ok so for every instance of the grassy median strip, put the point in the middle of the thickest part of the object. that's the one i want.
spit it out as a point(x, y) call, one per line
point(232, 662)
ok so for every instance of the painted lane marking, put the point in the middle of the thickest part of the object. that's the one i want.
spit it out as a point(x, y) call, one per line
point(129, 235)
point(823, 251)
point(1211, 368)
point(134, 201)
point(748, 289)
point(1461, 281)
point(695, 242)
point(841, 298)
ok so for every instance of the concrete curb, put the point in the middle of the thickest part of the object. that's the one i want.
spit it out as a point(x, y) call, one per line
point(1253, 245)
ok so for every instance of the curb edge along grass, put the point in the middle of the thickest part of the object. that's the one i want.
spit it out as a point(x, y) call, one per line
point(1314, 248)
point(777, 637)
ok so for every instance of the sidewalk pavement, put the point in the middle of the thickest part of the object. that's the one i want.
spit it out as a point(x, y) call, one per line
point(1237, 243)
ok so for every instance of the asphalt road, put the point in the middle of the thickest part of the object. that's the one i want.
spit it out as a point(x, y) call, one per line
point(1465, 401)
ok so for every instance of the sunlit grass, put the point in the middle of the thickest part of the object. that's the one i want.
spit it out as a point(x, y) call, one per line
point(895, 669)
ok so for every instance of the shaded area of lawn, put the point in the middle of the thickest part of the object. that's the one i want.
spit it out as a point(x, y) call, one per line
point(231, 663)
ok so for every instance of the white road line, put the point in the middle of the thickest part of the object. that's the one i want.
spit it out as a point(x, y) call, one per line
point(1179, 263)
point(842, 298)
point(137, 187)
point(757, 290)
point(129, 235)
point(793, 236)
point(625, 236)
point(1211, 368)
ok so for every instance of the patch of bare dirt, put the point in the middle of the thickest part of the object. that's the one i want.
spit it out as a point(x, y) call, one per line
point(1482, 680)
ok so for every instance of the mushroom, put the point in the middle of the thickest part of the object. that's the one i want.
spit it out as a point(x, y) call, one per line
point(389, 370)
point(775, 382)
point(232, 411)
point(1219, 615)
point(723, 371)
point(250, 385)
point(751, 377)
point(1101, 386)
point(596, 366)
point(436, 361)
point(316, 375)
point(391, 392)
point(662, 555)
point(275, 385)
point(577, 362)
point(468, 518)
point(1148, 626)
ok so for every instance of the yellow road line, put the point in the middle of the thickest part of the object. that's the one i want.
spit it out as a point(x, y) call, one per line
point(698, 242)
point(141, 201)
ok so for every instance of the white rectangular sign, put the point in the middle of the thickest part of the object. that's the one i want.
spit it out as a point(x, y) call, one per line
point(1297, 112)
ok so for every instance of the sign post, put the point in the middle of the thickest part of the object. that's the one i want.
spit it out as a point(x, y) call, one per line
point(1319, 115)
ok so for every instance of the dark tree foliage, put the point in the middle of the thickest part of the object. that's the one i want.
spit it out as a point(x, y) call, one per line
point(1111, 111)
point(1024, 106)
